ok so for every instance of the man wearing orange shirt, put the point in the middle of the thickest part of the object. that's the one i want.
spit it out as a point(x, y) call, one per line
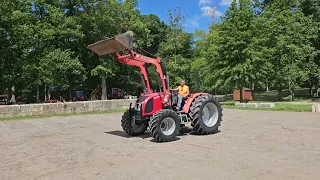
point(183, 93)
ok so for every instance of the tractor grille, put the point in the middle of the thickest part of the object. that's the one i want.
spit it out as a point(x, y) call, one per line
point(149, 106)
point(138, 114)
point(138, 107)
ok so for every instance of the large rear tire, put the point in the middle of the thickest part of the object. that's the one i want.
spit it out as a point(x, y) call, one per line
point(130, 127)
point(206, 114)
point(165, 125)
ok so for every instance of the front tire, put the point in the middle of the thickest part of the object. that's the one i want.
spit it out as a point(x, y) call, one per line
point(165, 125)
point(206, 114)
point(130, 127)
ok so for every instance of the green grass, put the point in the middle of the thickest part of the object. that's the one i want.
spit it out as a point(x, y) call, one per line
point(278, 107)
point(62, 114)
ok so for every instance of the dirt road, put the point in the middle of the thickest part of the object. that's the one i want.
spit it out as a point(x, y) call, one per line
point(251, 145)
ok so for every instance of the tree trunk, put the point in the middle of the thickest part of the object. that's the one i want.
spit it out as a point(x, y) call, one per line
point(279, 95)
point(316, 85)
point(252, 87)
point(71, 88)
point(291, 90)
point(38, 94)
point(45, 92)
point(241, 95)
point(291, 93)
point(49, 95)
point(310, 90)
point(13, 95)
point(104, 88)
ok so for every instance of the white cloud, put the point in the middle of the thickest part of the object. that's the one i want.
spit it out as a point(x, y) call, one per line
point(194, 23)
point(210, 11)
point(202, 2)
point(225, 2)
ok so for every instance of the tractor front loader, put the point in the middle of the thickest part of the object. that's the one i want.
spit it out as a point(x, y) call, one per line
point(157, 110)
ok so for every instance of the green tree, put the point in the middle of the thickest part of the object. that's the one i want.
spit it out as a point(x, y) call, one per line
point(14, 18)
point(199, 63)
point(284, 44)
point(176, 49)
point(312, 8)
point(230, 58)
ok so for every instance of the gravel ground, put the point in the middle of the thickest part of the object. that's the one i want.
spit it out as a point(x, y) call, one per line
point(251, 145)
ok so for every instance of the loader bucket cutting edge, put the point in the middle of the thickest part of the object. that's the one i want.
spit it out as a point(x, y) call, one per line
point(115, 44)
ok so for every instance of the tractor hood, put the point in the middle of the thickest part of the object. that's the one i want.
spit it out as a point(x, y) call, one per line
point(115, 44)
point(149, 104)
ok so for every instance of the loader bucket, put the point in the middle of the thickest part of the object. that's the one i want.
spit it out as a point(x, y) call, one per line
point(115, 44)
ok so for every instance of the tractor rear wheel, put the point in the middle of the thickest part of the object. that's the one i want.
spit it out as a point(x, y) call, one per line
point(206, 114)
point(130, 127)
point(165, 125)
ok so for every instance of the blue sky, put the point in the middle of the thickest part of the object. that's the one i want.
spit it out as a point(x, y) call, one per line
point(198, 13)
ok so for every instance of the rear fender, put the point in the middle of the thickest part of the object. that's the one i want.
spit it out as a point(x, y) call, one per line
point(189, 101)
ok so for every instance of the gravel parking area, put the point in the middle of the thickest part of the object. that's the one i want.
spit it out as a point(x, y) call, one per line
point(251, 145)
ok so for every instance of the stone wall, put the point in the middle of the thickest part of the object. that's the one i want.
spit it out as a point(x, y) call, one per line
point(316, 108)
point(255, 105)
point(62, 108)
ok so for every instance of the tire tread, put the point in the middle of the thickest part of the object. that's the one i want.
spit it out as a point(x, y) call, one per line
point(154, 124)
point(126, 125)
point(194, 114)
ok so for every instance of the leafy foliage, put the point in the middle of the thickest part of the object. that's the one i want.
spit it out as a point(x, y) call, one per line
point(229, 56)
point(270, 47)
point(260, 43)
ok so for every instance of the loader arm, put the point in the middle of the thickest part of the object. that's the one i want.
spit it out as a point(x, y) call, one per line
point(124, 42)
point(140, 59)
point(141, 65)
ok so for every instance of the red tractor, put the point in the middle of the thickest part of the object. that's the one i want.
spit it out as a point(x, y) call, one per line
point(157, 110)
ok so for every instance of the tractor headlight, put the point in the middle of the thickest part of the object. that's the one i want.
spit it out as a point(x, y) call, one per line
point(138, 107)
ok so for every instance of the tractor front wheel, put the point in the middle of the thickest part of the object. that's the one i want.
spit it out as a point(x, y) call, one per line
point(206, 114)
point(165, 125)
point(130, 126)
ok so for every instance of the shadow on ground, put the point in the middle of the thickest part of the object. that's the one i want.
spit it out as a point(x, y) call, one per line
point(125, 135)
point(184, 131)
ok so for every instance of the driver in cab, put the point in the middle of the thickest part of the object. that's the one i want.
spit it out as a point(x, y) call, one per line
point(183, 93)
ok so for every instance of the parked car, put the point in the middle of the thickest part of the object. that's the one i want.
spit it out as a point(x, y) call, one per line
point(4, 99)
point(79, 96)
